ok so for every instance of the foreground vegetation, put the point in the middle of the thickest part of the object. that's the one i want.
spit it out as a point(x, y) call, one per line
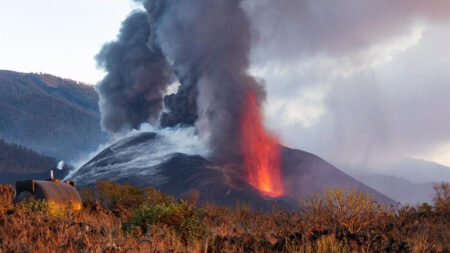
point(123, 218)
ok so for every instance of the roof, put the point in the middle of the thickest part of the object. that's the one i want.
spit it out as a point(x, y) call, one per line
point(60, 193)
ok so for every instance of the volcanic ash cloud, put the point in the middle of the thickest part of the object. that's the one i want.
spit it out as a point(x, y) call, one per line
point(202, 44)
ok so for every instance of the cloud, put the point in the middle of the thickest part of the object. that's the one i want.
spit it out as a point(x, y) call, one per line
point(301, 28)
point(357, 82)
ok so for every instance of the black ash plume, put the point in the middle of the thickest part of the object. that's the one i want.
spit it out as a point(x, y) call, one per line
point(207, 44)
point(137, 77)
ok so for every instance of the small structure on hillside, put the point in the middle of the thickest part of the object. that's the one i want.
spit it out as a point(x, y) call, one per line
point(57, 193)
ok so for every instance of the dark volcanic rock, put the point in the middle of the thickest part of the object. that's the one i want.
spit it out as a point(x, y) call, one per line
point(148, 159)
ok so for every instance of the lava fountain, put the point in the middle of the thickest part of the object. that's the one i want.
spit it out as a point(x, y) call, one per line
point(261, 151)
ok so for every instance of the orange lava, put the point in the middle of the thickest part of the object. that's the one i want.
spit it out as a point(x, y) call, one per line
point(261, 151)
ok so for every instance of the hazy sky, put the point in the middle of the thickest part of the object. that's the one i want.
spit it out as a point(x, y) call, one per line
point(357, 82)
point(59, 37)
point(353, 81)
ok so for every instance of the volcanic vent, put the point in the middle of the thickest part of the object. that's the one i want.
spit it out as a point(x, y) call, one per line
point(157, 159)
point(261, 152)
point(204, 46)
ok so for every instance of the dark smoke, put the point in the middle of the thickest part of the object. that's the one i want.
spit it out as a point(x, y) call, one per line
point(207, 43)
point(132, 91)
point(182, 106)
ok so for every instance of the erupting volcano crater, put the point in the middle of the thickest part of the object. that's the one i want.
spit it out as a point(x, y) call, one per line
point(146, 159)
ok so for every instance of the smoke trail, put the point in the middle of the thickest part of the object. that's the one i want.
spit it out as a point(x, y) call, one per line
point(60, 165)
point(138, 74)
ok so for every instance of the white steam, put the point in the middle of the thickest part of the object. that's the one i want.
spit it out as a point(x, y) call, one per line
point(60, 165)
point(143, 156)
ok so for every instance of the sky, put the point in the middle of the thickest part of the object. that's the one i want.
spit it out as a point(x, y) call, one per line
point(356, 82)
point(60, 37)
point(360, 83)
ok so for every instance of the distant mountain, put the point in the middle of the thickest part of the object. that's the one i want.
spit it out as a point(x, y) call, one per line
point(11, 177)
point(20, 163)
point(400, 189)
point(145, 159)
point(412, 169)
point(19, 159)
point(418, 171)
point(407, 180)
point(54, 116)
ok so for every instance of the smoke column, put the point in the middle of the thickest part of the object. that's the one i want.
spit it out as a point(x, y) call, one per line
point(138, 74)
point(207, 44)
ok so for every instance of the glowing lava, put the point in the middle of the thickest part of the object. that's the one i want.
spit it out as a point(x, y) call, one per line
point(261, 151)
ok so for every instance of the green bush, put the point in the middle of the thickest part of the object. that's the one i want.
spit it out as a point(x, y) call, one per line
point(185, 219)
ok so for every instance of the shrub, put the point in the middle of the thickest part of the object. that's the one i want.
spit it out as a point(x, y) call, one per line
point(420, 243)
point(336, 221)
point(338, 208)
point(6, 197)
point(425, 209)
point(153, 196)
point(442, 198)
point(112, 195)
point(42, 208)
point(180, 216)
point(326, 244)
point(242, 213)
point(329, 244)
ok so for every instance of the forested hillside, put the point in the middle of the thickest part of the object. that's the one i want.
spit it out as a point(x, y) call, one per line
point(54, 116)
point(19, 163)
point(18, 159)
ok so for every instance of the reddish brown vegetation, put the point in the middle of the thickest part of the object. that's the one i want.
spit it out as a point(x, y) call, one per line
point(123, 218)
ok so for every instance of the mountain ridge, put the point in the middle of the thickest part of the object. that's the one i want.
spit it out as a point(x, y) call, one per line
point(54, 116)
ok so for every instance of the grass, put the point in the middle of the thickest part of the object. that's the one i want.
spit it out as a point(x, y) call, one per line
point(124, 218)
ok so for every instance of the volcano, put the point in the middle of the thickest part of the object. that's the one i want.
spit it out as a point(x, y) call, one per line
point(147, 159)
point(217, 95)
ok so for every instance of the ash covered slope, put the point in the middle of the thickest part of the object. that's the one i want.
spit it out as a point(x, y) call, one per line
point(305, 174)
point(144, 159)
point(147, 159)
